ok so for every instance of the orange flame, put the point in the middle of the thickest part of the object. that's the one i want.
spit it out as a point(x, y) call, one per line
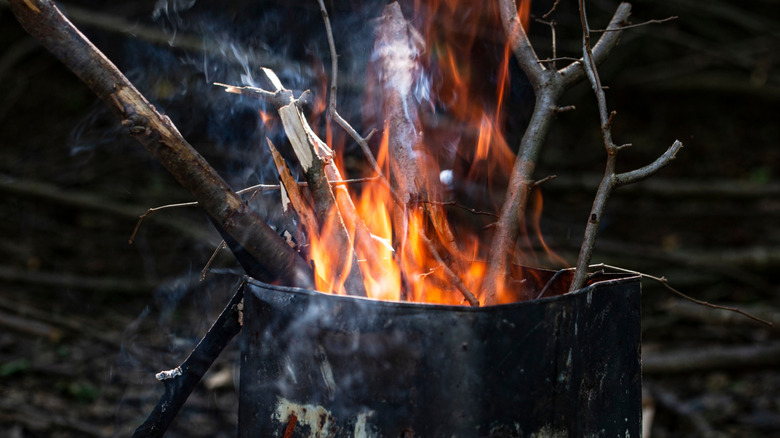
point(411, 261)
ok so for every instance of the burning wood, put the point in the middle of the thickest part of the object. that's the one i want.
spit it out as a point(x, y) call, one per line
point(397, 53)
point(349, 238)
point(414, 173)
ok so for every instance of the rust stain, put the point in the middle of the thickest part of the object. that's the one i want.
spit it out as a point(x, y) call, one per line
point(288, 431)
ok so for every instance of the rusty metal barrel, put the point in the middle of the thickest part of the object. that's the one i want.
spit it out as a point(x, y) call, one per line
point(321, 365)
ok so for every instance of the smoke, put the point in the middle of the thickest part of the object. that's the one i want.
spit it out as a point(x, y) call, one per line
point(171, 10)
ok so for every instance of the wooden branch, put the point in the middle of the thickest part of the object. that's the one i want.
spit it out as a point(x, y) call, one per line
point(397, 49)
point(314, 157)
point(32, 327)
point(333, 100)
point(611, 179)
point(507, 229)
point(260, 250)
point(365, 243)
point(666, 284)
point(575, 72)
point(549, 86)
point(521, 45)
point(713, 358)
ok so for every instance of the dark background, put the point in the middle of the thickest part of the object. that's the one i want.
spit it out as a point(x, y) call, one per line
point(88, 319)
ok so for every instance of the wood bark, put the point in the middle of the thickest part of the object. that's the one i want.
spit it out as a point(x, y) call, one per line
point(262, 252)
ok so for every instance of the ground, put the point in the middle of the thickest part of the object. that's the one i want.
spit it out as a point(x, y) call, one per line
point(88, 319)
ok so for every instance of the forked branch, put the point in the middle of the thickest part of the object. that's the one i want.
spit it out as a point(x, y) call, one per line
point(549, 86)
point(611, 179)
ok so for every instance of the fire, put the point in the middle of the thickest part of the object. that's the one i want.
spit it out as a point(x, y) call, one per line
point(416, 248)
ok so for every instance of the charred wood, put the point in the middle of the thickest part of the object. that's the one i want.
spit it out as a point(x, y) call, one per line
point(180, 381)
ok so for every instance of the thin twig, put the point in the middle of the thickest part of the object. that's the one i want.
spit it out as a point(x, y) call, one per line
point(467, 294)
point(666, 284)
point(539, 182)
point(549, 283)
point(214, 254)
point(455, 204)
point(333, 99)
point(551, 23)
point(559, 58)
point(154, 209)
point(254, 189)
point(630, 26)
point(552, 9)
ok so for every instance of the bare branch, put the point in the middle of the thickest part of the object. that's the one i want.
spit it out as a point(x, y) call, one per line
point(455, 204)
point(630, 26)
point(552, 9)
point(574, 72)
point(213, 257)
point(332, 105)
point(152, 210)
point(554, 44)
point(666, 284)
point(521, 45)
point(334, 66)
point(316, 160)
point(467, 294)
point(549, 86)
point(610, 180)
point(633, 176)
point(291, 188)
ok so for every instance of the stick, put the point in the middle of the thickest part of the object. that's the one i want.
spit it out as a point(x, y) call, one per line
point(260, 250)
point(36, 328)
point(666, 284)
point(713, 358)
point(611, 179)
point(332, 102)
point(180, 381)
point(549, 85)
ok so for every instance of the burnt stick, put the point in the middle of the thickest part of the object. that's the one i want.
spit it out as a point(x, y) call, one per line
point(180, 381)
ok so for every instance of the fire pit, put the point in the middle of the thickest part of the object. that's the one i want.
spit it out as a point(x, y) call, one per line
point(317, 364)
